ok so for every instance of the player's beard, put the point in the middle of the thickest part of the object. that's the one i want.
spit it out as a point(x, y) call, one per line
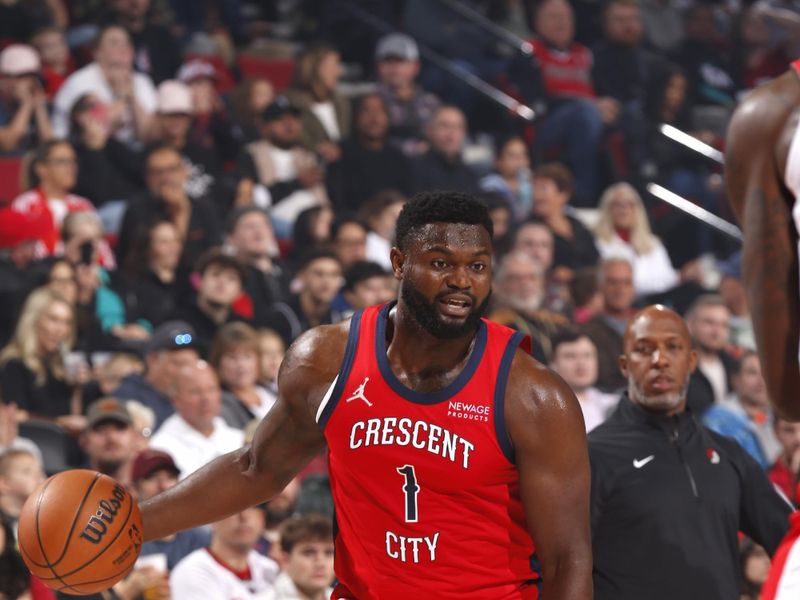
point(660, 403)
point(430, 320)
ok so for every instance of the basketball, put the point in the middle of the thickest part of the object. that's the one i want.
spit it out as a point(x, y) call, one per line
point(80, 532)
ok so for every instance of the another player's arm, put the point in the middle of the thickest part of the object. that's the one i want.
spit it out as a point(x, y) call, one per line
point(545, 424)
point(286, 440)
point(755, 155)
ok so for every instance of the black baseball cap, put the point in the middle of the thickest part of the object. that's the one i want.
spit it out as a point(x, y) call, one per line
point(172, 335)
point(279, 107)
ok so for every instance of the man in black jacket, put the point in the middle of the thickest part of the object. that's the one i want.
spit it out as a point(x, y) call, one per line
point(668, 495)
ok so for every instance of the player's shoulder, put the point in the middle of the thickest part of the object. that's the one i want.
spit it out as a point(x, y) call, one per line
point(766, 108)
point(533, 387)
point(316, 355)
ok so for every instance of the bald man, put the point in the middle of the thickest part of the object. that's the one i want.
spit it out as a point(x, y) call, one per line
point(668, 495)
point(196, 434)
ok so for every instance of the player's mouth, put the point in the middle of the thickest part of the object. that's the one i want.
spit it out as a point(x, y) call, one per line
point(455, 305)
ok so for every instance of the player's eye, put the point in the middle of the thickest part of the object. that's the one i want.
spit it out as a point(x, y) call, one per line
point(478, 267)
point(439, 264)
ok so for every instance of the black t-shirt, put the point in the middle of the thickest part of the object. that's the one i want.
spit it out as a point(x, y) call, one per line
point(18, 385)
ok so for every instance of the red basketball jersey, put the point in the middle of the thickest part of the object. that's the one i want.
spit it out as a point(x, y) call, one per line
point(425, 487)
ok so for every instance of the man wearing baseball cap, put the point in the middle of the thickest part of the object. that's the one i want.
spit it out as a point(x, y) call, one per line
point(410, 107)
point(153, 472)
point(176, 115)
point(109, 440)
point(290, 173)
point(24, 120)
point(171, 348)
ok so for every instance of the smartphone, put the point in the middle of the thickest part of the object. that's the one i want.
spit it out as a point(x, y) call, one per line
point(87, 252)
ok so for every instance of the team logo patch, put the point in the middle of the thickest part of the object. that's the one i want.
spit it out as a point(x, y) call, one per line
point(713, 456)
point(468, 411)
point(359, 393)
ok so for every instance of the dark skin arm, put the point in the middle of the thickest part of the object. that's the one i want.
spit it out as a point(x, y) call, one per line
point(758, 142)
point(286, 440)
point(545, 423)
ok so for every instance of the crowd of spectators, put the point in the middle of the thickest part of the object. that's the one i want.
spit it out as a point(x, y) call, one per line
point(180, 218)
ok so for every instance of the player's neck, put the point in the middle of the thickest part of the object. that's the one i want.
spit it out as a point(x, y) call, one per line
point(415, 350)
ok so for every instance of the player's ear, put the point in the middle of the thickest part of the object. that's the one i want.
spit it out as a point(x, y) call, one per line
point(398, 260)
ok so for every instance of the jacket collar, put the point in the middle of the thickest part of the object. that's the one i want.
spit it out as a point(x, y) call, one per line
point(631, 412)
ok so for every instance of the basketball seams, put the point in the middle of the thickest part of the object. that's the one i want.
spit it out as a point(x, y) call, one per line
point(75, 519)
point(59, 581)
point(110, 542)
point(39, 500)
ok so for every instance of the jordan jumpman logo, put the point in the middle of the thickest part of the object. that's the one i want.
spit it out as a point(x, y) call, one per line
point(359, 393)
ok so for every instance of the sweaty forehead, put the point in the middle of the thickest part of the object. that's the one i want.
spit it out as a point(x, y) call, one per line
point(453, 236)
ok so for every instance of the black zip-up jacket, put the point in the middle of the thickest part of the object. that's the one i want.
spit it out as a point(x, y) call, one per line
point(668, 498)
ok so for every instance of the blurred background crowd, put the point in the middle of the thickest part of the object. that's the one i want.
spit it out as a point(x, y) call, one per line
point(186, 187)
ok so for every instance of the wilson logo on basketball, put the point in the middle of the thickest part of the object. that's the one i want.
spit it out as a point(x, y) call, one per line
point(107, 510)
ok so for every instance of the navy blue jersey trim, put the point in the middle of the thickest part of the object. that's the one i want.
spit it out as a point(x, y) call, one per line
point(425, 397)
point(500, 395)
point(344, 370)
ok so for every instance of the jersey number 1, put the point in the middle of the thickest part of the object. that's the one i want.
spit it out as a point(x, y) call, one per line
point(411, 490)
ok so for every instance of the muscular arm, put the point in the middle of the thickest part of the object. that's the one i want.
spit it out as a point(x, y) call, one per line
point(286, 440)
point(546, 429)
point(754, 161)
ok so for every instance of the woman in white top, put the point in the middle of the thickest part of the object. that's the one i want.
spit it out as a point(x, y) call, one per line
point(623, 231)
point(324, 113)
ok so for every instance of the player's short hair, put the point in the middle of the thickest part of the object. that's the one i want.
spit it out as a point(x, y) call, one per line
point(312, 527)
point(8, 456)
point(440, 207)
point(567, 336)
point(558, 174)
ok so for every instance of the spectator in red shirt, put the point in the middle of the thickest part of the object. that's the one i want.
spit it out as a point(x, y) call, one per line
point(784, 472)
point(558, 80)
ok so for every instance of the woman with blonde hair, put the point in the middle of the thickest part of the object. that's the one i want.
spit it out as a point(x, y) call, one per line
point(324, 113)
point(623, 231)
point(33, 373)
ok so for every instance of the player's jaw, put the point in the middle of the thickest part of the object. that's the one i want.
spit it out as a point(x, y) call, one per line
point(449, 315)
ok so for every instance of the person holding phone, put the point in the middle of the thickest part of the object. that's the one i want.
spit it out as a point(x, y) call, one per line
point(53, 172)
point(24, 119)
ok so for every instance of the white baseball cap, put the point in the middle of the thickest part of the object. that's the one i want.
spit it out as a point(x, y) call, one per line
point(19, 59)
point(174, 97)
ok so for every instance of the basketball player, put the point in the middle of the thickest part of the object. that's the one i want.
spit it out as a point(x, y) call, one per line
point(762, 172)
point(450, 448)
